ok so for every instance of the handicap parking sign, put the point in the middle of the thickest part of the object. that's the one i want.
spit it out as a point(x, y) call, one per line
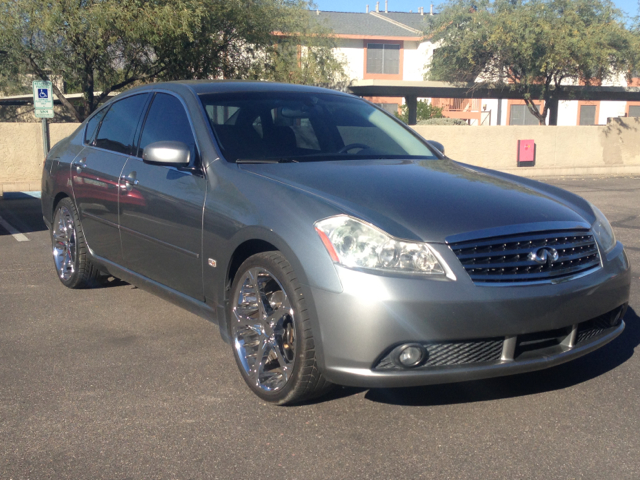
point(43, 99)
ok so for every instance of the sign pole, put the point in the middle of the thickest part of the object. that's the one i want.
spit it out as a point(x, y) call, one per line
point(43, 103)
point(45, 137)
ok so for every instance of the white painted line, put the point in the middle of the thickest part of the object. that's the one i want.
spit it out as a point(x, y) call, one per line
point(14, 233)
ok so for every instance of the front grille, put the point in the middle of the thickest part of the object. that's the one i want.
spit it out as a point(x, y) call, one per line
point(507, 259)
point(454, 353)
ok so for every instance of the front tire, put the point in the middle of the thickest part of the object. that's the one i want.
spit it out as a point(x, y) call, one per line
point(70, 251)
point(270, 332)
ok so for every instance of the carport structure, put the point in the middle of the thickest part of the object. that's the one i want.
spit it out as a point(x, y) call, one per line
point(411, 91)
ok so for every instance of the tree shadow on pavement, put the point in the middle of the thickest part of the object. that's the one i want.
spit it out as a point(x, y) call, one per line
point(562, 376)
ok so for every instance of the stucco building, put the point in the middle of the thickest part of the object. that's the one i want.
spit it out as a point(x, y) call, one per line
point(392, 46)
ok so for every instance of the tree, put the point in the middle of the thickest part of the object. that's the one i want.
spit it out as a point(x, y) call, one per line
point(424, 111)
point(109, 45)
point(304, 55)
point(533, 47)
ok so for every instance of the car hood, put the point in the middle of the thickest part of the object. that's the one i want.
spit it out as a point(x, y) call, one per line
point(429, 200)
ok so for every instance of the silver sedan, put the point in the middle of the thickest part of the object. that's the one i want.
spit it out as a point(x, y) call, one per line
point(330, 242)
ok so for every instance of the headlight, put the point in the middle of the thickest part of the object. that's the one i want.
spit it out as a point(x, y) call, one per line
point(603, 231)
point(356, 244)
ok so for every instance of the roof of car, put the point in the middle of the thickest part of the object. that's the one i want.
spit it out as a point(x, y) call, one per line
point(233, 86)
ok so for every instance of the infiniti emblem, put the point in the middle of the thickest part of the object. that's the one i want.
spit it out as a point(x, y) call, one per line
point(544, 255)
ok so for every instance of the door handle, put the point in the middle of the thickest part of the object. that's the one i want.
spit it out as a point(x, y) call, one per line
point(129, 181)
point(80, 164)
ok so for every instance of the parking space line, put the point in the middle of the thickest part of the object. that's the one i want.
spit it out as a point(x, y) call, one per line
point(20, 237)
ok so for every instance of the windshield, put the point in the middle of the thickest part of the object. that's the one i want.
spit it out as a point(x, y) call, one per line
point(296, 127)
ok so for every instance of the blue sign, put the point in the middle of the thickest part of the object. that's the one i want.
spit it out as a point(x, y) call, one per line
point(43, 93)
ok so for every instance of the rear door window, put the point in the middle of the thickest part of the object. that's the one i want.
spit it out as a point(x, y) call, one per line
point(120, 123)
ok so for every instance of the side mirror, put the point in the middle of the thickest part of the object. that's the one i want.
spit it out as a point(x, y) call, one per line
point(175, 154)
point(436, 145)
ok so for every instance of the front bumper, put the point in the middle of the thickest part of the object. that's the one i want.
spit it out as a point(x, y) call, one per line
point(373, 314)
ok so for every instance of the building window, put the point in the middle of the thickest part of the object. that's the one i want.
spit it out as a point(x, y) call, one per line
point(383, 58)
point(520, 115)
point(634, 110)
point(587, 115)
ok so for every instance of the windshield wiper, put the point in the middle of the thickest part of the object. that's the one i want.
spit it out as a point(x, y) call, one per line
point(266, 160)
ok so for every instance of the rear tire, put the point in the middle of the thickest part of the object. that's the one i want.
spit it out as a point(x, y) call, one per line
point(270, 332)
point(70, 252)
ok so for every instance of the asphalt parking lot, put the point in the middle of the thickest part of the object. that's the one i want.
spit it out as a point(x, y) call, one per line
point(115, 383)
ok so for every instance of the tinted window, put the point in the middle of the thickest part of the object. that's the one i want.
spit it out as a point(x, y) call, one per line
point(587, 114)
point(520, 115)
point(383, 58)
point(304, 126)
point(120, 123)
point(167, 121)
point(92, 125)
point(222, 114)
point(634, 110)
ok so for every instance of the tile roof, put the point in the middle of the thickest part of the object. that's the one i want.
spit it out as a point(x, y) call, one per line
point(413, 20)
point(351, 23)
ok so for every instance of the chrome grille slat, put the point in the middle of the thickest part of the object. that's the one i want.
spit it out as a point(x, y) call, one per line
point(538, 238)
point(524, 251)
point(537, 274)
point(506, 259)
point(530, 263)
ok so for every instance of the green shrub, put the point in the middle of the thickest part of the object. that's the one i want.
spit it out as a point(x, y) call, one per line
point(424, 111)
point(442, 121)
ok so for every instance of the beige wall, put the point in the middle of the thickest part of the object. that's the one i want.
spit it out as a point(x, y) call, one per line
point(21, 154)
point(608, 150)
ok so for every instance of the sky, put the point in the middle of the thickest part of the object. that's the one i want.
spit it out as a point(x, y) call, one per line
point(628, 7)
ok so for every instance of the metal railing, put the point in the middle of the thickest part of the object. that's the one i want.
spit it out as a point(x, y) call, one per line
point(457, 104)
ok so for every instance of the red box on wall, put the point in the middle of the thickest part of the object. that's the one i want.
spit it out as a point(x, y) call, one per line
point(526, 153)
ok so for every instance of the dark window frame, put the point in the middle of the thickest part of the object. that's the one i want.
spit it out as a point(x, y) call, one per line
point(86, 126)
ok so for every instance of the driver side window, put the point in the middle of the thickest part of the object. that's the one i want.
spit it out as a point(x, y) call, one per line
point(167, 121)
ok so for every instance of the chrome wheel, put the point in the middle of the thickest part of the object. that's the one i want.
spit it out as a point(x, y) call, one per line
point(64, 243)
point(263, 330)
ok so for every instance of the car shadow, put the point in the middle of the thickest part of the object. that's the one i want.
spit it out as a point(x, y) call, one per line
point(562, 376)
point(23, 212)
point(109, 282)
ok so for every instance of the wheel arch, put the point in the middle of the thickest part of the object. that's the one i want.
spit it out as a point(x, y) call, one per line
point(56, 200)
point(256, 239)
point(246, 249)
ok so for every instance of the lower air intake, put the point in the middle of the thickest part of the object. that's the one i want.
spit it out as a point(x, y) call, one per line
point(453, 353)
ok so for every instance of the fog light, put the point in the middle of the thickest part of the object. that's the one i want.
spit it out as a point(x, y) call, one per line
point(411, 355)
